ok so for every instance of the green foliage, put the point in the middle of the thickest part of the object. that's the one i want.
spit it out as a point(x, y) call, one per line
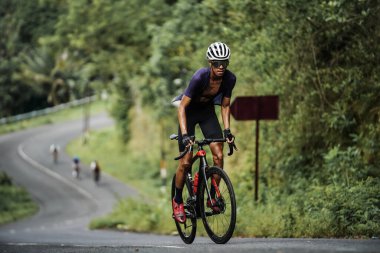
point(125, 162)
point(22, 23)
point(135, 215)
point(339, 211)
point(15, 202)
point(121, 111)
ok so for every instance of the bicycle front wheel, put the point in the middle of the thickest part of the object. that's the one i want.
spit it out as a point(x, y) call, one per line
point(219, 213)
point(188, 229)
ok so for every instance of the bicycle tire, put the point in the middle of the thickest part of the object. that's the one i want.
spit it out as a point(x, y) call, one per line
point(218, 225)
point(188, 229)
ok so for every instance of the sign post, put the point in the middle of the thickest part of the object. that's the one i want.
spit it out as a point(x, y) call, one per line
point(256, 108)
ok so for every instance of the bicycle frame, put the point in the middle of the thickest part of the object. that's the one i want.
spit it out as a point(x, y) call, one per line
point(201, 154)
point(203, 165)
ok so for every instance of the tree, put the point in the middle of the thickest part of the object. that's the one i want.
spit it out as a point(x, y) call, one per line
point(21, 23)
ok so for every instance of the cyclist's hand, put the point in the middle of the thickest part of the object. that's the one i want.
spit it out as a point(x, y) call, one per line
point(186, 140)
point(228, 135)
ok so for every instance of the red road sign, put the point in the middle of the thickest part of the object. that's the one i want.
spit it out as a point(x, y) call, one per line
point(255, 107)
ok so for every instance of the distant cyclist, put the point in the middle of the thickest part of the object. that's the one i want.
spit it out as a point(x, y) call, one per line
point(95, 171)
point(76, 167)
point(208, 86)
point(54, 150)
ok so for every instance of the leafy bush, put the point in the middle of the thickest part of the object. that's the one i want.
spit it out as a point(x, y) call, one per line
point(139, 216)
point(15, 202)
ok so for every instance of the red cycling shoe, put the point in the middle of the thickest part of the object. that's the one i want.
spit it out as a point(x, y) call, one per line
point(178, 212)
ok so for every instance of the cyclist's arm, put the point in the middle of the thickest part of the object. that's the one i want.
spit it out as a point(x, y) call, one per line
point(225, 109)
point(182, 113)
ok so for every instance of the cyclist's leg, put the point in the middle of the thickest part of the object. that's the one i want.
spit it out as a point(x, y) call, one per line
point(211, 129)
point(182, 169)
point(185, 163)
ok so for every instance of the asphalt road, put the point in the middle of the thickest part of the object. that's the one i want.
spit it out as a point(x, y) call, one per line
point(67, 205)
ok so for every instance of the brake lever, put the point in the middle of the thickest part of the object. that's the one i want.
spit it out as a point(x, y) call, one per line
point(182, 154)
point(187, 150)
point(232, 146)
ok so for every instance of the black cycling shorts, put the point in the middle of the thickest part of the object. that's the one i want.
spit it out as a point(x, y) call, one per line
point(207, 120)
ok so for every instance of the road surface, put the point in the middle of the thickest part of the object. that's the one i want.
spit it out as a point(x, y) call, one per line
point(67, 205)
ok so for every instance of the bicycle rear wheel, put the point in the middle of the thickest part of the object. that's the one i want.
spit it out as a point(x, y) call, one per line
point(220, 220)
point(188, 229)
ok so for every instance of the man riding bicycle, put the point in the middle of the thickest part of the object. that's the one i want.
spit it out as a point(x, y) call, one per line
point(207, 87)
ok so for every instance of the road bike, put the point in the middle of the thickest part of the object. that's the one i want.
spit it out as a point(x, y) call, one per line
point(218, 212)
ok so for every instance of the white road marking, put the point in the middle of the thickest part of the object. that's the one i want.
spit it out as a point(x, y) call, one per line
point(23, 244)
point(83, 246)
point(54, 174)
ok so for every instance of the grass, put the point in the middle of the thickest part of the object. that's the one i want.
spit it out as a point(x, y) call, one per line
point(117, 160)
point(15, 201)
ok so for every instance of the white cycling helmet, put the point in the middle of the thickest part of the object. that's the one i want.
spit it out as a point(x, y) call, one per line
point(218, 51)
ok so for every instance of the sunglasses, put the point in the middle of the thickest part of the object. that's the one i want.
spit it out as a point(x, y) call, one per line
point(217, 64)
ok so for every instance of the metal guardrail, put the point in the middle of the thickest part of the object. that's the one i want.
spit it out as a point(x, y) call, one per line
point(33, 114)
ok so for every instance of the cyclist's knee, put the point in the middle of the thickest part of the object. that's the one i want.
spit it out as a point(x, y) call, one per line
point(184, 166)
point(218, 158)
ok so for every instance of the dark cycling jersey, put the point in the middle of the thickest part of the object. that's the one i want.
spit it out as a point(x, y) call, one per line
point(199, 83)
point(201, 108)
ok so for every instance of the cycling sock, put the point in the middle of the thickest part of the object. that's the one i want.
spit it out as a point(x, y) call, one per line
point(178, 196)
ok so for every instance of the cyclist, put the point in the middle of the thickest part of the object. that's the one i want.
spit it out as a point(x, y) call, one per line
point(95, 170)
point(54, 150)
point(208, 86)
point(75, 166)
